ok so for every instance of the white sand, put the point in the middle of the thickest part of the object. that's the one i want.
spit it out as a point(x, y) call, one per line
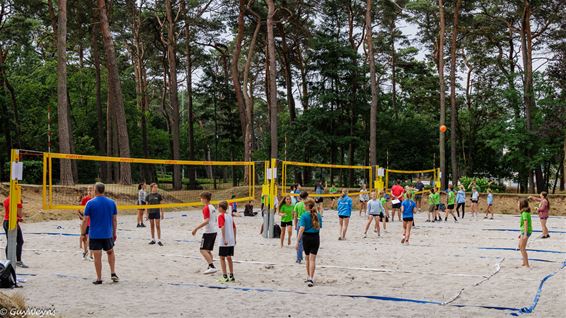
point(442, 260)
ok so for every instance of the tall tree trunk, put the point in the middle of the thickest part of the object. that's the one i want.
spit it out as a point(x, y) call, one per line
point(393, 68)
point(373, 85)
point(453, 106)
point(140, 75)
point(528, 97)
point(248, 99)
point(115, 94)
point(304, 82)
point(287, 74)
point(235, 69)
point(64, 131)
point(272, 78)
point(189, 84)
point(101, 145)
point(173, 94)
point(442, 142)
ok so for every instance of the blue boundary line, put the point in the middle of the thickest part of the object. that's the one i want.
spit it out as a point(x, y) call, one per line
point(515, 230)
point(373, 297)
point(514, 249)
point(531, 308)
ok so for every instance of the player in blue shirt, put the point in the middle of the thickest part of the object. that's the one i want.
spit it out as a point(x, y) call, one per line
point(309, 228)
point(489, 204)
point(344, 213)
point(101, 213)
point(407, 209)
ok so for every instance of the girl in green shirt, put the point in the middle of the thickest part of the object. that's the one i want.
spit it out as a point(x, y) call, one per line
point(526, 229)
point(285, 210)
point(450, 201)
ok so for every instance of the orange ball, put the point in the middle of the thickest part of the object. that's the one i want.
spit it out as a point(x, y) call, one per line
point(443, 129)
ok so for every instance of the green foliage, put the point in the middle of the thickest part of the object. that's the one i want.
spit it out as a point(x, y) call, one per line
point(482, 184)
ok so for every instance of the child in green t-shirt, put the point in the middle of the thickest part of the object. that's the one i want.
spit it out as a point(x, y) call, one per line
point(285, 210)
point(450, 201)
point(526, 229)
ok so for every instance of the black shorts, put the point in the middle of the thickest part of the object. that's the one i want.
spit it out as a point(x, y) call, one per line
point(450, 207)
point(226, 251)
point(101, 244)
point(474, 201)
point(285, 224)
point(207, 241)
point(319, 200)
point(408, 219)
point(311, 243)
point(154, 216)
point(437, 207)
point(343, 217)
point(396, 206)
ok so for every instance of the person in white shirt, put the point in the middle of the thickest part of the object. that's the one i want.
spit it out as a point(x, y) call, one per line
point(227, 228)
point(210, 228)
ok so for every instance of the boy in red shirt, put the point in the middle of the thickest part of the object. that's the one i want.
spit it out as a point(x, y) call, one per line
point(397, 193)
point(210, 228)
point(227, 229)
point(84, 239)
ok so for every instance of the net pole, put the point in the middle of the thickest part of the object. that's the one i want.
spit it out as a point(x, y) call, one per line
point(266, 200)
point(44, 186)
point(272, 195)
point(13, 209)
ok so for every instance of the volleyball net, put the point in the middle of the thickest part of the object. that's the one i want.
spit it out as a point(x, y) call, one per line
point(68, 177)
point(429, 178)
point(324, 180)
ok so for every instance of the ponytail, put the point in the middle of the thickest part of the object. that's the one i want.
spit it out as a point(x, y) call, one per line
point(311, 206)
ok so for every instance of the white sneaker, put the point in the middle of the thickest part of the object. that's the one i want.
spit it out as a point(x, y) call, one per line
point(210, 270)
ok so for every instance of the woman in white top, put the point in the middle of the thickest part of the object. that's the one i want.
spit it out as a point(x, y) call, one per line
point(475, 200)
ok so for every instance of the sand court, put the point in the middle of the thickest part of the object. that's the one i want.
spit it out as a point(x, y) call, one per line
point(462, 269)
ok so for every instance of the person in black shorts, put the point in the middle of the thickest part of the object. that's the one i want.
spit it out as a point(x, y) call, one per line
point(101, 213)
point(209, 223)
point(155, 215)
point(285, 210)
point(309, 228)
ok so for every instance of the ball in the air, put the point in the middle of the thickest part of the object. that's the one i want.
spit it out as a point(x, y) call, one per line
point(442, 128)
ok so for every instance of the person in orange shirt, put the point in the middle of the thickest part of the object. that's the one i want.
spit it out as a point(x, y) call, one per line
point(20, 236)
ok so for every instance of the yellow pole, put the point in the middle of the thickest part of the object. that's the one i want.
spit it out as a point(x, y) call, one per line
point(386, 186)
point(50, 181)
point(14, 192)
point(44, 187)
point(370, 179)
